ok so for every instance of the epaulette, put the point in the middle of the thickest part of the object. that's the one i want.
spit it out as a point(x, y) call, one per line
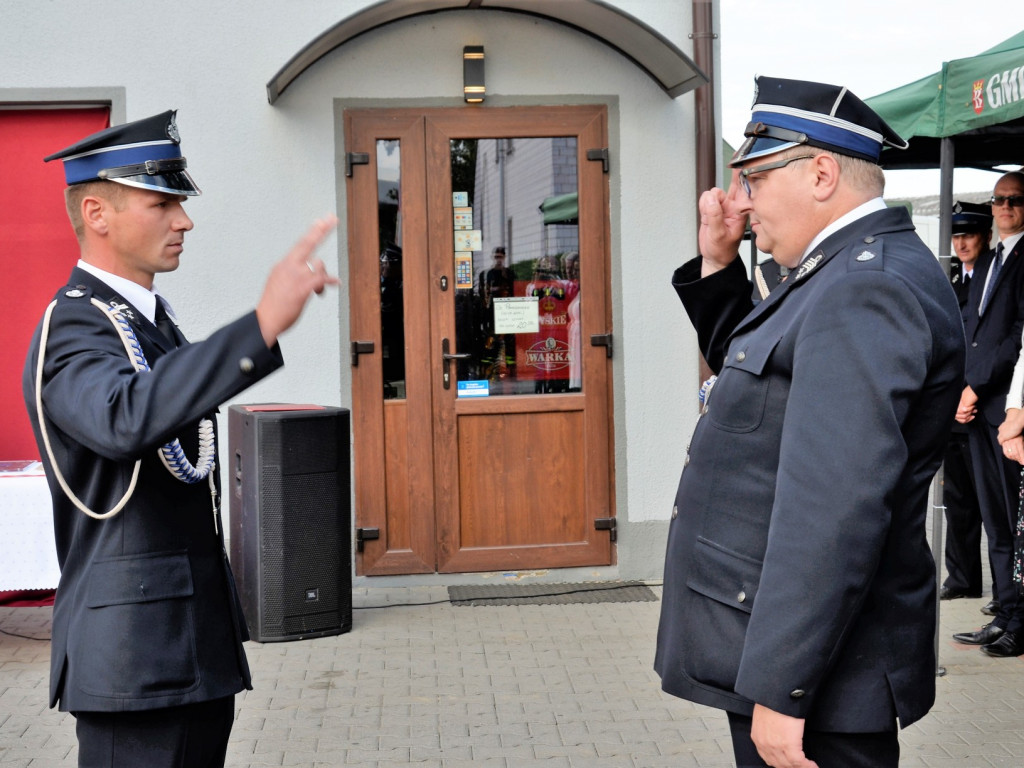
point(866, 254)
point(74, 293)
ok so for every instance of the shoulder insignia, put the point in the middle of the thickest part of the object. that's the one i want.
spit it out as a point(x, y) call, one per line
point(74, 293)
point(123, 308)
point(871, 258)
point(809, 266)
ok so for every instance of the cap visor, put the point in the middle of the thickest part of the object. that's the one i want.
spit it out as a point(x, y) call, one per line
point(173, 183)
point(756, 147)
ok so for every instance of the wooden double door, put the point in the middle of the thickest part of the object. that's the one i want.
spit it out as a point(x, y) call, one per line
point(481, 338)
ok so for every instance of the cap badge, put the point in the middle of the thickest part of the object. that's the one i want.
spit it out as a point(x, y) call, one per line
point(809, 266)
point(172, 130)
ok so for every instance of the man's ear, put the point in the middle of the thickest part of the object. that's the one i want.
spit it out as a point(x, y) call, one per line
point(827, 169)
point(94, 214)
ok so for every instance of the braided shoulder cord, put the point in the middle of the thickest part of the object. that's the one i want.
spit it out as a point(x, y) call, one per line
point(171, 454)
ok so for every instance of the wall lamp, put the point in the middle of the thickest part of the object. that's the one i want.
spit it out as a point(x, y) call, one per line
point(473, 89)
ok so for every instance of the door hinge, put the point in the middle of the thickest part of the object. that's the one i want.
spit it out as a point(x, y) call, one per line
point(366, 534)
point(607, 524)
point(355, 158)
point(360, 348)
point(602, 340)
point(599, 154)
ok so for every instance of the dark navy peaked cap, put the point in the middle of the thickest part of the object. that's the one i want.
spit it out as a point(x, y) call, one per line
point(971, 217)
point(790, 113)
point(144, 153)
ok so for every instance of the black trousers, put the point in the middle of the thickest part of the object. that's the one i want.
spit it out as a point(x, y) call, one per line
point(963, 518)
point(998, 482)
point(190, 736)
point(828, 750)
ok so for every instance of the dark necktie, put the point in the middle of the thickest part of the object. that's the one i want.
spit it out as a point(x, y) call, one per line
point(997, 265)
point(164, 323)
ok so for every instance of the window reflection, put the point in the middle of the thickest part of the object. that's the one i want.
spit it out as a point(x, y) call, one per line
point(517, 265)
point(392, 300)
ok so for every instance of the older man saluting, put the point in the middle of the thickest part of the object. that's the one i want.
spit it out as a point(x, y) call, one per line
point(799, 585)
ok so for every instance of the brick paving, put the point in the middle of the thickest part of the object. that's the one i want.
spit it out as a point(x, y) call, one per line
point(442, 686)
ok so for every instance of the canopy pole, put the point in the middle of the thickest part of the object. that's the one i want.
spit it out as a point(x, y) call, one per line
point(946, 158)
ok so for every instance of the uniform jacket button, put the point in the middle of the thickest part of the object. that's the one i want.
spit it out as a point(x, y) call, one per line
point(797, 694)
point(246, 365)
point(675, 512)
point(741, 356)
point(686, 460)
point(742, 596)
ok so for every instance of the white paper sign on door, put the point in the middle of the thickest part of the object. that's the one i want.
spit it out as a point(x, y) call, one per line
point(517, 314)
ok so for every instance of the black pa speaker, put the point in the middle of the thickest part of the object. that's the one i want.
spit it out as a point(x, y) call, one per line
point(291, 519)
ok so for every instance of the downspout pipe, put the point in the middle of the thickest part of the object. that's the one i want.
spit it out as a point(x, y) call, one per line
point(707, 143)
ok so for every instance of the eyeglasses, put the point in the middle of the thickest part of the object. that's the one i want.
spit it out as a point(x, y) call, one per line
point(1014, 201)
point(747, 172)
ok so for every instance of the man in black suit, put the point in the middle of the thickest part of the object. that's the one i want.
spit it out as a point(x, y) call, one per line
point(147, 631)
point(993, 320)
point(799, 590)
point(972, 231)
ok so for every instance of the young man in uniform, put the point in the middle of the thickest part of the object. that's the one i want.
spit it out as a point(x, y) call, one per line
point(147, 630)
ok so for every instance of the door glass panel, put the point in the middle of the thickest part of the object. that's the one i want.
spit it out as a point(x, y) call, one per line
point(517, 268)
point(392, 301)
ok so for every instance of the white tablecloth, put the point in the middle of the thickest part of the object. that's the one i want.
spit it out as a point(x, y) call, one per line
point(28, 557)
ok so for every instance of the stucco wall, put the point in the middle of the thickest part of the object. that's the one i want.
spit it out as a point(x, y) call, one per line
point(267, 171)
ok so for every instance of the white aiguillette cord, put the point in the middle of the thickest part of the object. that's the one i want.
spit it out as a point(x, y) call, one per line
point(171, 454)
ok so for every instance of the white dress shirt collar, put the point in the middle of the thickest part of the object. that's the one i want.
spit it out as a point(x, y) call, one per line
point(141, 298)
point(1010, 242)
point(862, 210)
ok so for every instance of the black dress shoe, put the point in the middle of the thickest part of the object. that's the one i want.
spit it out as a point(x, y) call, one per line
point(949, 593)
point(1006, 646)
point(987, 634)
point(991, 608)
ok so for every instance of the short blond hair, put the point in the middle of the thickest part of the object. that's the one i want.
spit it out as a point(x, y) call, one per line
point(73, 196)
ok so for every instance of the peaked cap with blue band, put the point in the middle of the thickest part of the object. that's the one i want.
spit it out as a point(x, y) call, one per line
point(790, 113)
point(971, 217)
point(144, 153)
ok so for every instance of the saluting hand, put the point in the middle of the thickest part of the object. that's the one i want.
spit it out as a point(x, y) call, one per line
point(292, 280)
point(723, 218)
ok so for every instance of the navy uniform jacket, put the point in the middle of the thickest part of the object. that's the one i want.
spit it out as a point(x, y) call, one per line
point(993, 340)
point(798, 574)
point(146, 613)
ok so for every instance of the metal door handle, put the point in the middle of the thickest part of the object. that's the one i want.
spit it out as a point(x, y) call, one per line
point(447, 357)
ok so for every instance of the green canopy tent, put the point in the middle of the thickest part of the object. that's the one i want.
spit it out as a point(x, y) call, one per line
point(968, 114)
point(561, 209)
